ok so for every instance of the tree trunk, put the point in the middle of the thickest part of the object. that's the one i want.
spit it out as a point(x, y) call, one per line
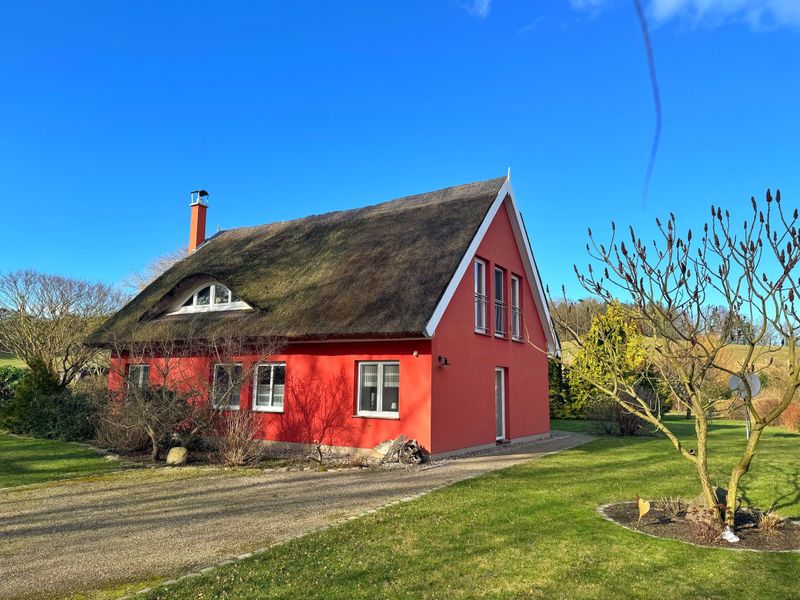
point(701, 430)
point(738, 472)
point(154, 443)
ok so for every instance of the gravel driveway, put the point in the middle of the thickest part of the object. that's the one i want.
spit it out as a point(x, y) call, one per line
point(88, 534)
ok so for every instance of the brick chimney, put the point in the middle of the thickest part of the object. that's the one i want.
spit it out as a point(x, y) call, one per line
point(197, 228)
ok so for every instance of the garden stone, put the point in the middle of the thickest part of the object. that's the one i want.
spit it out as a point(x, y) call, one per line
point(177, 456)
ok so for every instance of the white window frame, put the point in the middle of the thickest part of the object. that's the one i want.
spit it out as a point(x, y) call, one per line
point(480, 294)
point(270, 407)
point(499, 304)
point(516, 308)
point(214, 404)
point(212, 305)
point(380, 414)
point(143, 382)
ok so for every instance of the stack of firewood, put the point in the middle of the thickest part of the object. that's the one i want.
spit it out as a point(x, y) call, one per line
point(404, 450)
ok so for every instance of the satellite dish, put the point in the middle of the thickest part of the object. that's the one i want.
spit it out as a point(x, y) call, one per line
point(739, 388)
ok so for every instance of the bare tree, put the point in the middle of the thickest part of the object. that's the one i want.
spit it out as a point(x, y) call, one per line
point(48, 317)
point(672, 285)
point(139, 280)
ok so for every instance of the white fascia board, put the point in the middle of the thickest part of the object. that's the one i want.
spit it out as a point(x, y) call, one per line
point(506, 192)
point(532, 271)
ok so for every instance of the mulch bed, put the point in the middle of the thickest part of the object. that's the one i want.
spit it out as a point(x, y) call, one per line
point(659, 523)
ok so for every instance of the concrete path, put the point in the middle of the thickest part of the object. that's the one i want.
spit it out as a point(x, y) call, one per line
point(88, 534)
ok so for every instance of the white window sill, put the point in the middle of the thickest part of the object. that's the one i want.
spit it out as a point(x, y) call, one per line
point(482, 331)
point(268, 409)
point(205, 308)
point(377, 415)
point(517, 339)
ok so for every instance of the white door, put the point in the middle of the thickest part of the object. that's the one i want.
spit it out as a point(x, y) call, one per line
point(500, 403)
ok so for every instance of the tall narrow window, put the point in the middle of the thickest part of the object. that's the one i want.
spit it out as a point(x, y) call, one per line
point(269, 386)
point(499, 302)
point(379, 389)
point(226, 387)
point(516, 310)
point(480, 296)
point(138, 377)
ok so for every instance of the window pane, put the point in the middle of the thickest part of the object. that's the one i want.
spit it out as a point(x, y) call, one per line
point(391, 388)
point(499, 291)
point(189, 301)
point(480, 313)
point(262, 385)
point(515, 292)
point(278, 384)
point(369, 387)
point(204, 296)
point(227, 384)
point(480, 280)
point(235, 298)
point(221, 294)
point(139, 376)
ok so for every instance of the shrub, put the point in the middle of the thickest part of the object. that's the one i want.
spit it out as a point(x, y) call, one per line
point(159, 412)
point(43, 407)
point(672, 506)
point(9, 378)
point(789, 419)
point(562, 405)
point(237, 440)
point(769, 521)
point(615, 419)
point(115, 429)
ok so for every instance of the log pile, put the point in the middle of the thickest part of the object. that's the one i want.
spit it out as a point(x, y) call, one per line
point(402, 450)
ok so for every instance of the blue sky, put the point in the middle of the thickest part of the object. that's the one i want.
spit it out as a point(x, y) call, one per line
point(113, 112)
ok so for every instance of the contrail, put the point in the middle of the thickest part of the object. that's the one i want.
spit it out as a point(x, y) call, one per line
point(651, 63)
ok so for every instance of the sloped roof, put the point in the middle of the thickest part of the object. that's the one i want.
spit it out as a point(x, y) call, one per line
point(377, 271)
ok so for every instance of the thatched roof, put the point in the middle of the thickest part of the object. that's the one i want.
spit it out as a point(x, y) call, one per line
point(377, 271)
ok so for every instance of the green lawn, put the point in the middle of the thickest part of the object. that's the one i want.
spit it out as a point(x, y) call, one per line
point(9, 360)
point(532, 532)
point(27, 460)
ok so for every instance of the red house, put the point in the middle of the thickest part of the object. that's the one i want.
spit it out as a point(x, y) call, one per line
point(425, 315)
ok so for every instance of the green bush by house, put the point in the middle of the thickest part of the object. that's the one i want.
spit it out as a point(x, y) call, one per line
point(42, 407)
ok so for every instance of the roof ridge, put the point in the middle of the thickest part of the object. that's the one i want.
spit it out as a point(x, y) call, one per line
point(368, 207)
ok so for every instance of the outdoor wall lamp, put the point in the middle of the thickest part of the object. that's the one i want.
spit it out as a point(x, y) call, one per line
point(442, 361)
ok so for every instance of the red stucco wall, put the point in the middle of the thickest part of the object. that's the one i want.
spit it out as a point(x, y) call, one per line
point(463, 413)
point(332, 369)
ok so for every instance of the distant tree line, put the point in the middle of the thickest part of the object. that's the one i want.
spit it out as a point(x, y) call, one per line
point(572, 317)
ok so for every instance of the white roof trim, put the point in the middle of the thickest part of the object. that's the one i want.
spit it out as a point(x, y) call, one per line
point(506, 193)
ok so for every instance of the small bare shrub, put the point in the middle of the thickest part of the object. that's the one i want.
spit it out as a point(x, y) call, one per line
point(614, 419)
point(673, 507)
point(237, 440)
point(115, 431)
point(360, 461)
point(769, 521)
point(703, 531)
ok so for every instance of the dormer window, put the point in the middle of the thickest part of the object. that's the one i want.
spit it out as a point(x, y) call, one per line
point(210, 297)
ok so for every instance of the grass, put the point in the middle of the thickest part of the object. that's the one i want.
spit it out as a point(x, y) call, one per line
point(27, 460)
point(532, 532)
point(9, 360)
